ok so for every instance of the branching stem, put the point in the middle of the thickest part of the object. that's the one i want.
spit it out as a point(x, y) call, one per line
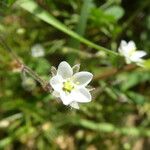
point(23, 67)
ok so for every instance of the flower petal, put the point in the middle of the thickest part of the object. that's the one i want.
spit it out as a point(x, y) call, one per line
point(131, 45)
point(123, 43)
point(64, 70)
point(74, 105)
point(136, 56)
point(122, 47)
point(37, 50)
point(82, 78)
point(56, 82)
point(66, 98)
point(81, 95)
point(126, 49)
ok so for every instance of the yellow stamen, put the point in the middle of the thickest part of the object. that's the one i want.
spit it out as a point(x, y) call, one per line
point(68, 86)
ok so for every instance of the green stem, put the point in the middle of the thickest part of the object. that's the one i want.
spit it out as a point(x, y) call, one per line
point(82, 22)
point(23, 67)
point(33, 8)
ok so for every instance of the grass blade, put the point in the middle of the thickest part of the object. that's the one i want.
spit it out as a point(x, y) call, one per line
point(33, 8)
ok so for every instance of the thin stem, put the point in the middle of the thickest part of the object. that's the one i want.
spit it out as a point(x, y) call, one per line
point(33, 8)
point(34, 75)
point(25, 68)
point(13, 54)
point(111, 72)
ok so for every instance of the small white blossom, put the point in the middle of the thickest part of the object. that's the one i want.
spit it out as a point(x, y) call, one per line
point(69, 87)
point(130, 52)
point(28, 83)
point(4, 123)
point(37, 50)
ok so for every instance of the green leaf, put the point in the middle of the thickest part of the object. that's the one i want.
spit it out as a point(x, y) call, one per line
point(133, 79)
point(137, 98)
point(81, 26)
point(5, 141)
point(146, 64)
point(8, 2)
point(110, 128)
point(99, 17)
point(116, 11)
point(33, 8)
point(82, 22)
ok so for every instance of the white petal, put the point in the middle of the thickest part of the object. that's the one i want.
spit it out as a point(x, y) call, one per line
point(131, 45)
point(137, 55)
point(122, 47)
point(64, 70)
point(56, 82)
point(81, 95)
point(66, 98)
point(82, 78)
point(74, 105)
point(37, 50)
point(123, 43)
point(126, 49)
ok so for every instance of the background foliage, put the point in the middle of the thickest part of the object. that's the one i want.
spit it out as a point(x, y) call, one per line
point(118, 116)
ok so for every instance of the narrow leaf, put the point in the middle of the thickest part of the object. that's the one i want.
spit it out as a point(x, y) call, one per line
point(33, 8)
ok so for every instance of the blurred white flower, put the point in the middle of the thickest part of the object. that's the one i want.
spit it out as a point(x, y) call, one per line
point(69, 87)
point(37, 50)
point(4, 123)
point(20, 31)
point(129, 51)
point(28, 83)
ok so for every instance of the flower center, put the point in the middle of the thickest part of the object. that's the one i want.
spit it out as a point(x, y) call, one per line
point(68, 86)
point(132, 51)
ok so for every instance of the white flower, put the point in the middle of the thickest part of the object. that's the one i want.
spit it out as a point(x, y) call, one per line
point(37, 50)
point(129, 51)
point(69, 87)
point(28, 83)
